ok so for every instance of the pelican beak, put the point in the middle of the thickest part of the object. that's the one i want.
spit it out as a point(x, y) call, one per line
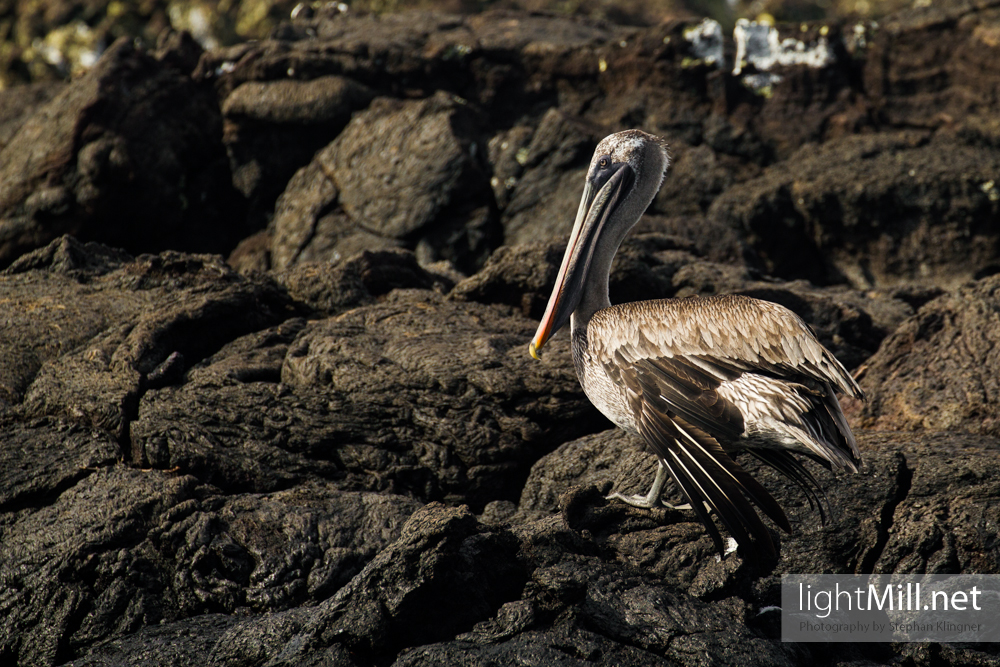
point(596, 207)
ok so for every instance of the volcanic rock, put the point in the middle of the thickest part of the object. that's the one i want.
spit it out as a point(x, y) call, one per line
point(401, 174)
point(874, 211)
point(129, 154)
point(274, 127)
point(938, 369)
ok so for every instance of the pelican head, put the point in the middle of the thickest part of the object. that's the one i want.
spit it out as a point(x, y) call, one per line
point(624, 176)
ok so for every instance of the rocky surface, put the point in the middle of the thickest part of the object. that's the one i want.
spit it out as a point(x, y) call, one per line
point(333, 448)
point(401, 173)
point(97, 161)
point(933, 372)
point(926, 214)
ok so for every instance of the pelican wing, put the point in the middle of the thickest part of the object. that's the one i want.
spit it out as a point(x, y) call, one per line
point(726, 334)
point(722, 362)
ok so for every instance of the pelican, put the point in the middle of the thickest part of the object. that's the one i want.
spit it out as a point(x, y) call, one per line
point(698, 378)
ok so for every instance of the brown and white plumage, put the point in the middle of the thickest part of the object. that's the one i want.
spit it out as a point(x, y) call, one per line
point(698, 378)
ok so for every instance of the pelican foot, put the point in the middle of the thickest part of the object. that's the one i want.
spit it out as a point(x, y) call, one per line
point(651, 499)
point(646, 502)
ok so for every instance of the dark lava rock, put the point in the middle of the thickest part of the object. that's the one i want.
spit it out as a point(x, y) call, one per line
point(546, 190)
point(591, 460)
point(486, 572)
point(520, 276)
point(18, 104)
point(442, 557)
point(536, 92)
point(74, 569)
point(932, 66)
point(874, 210)
point(401, 173)
point(41, 459)
point(938, 370)
point(568, 647)
point(697, 176)
point(124, 326)
point(477, 429)
point(359, 280)
point(53, 309)
point(506, 60)
point(180, 643)
point(274, 127)
point(547, 89)
point(946, 517)
point(129, 154)
point(326, 100)
point(123, 549)
point(415, 394)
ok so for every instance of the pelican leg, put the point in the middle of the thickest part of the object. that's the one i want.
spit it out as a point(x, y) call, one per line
point(651, 499)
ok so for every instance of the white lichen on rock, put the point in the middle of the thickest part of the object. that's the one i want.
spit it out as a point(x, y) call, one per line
point(706, 42)
point(760, 45)
point(762, 83)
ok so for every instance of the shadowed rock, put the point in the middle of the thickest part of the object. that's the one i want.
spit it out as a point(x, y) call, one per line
point(41, 459)
point(923, 75)
point(179, 643)
point(127, 325)
point(274, 127)
point(697, 176)
point(129, 154)
point(938, 370)
point(443, 557)
point(944, 523)
point(546, 193)
point(874, 210)
point(569, 647)
point(126, 548)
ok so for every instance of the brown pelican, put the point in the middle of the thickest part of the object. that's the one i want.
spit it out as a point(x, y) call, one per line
point(697, 378)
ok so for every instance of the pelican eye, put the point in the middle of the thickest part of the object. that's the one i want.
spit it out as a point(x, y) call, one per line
point(602, 171)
